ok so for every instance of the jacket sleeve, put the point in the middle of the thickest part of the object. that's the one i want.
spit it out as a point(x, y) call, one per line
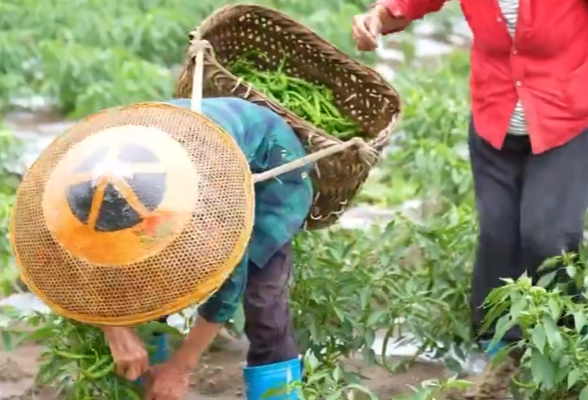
point(221, 306)
point(411, 9)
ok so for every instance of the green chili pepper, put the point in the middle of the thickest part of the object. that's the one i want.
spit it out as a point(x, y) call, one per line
point(100, 373)
point(81, 388)
point(72, 356)
point(131, 394)
point(310, 101)
point(101, 363)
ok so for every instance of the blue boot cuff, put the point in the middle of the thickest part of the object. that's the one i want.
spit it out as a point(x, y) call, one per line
point(160, 352)
point(492, 350)
point(273, 381)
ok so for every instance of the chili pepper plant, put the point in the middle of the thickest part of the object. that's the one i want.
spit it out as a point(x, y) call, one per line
point(76, 360)
point(552, 314)
point(408, 280)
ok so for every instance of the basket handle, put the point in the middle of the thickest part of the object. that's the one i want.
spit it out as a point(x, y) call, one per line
point(366, 152)
point(316, 156)
point(198, 47)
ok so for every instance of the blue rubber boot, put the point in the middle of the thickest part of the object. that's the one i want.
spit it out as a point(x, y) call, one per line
point(161, 352)
point(492, 350)
point(273, 381)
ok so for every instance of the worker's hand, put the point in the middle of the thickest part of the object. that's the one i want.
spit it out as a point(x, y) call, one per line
point(366, 28)
point(168, 381)
point(130, 357)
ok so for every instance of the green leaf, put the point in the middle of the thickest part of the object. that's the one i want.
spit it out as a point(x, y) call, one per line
point(543, 370)
point(547, 279)
point(582, 253)
point(571, 271)
point(362, 389)
point(39, 334)
point(555, 308)
point(496, 311)
point(370, 338)
point(460, 384)
point(538, 337)
point(338, 394)
point(517, 307)
point(311, 362)
point(550, 263)
point(376, 317)
point(561, 374)
point(7, 340)
point(369, 356)
point(317, 376)
point(580, 320)
point(501, 355)
point(337, 374)
point(584, 394)
point(552, 332)
point(364, 296)
point(502, 326)
point(573, 377)
point(160, 327)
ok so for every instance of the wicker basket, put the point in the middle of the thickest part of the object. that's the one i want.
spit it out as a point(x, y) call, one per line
point(360, 93)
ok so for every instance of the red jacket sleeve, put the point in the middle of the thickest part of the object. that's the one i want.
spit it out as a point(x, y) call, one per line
point(411, 9)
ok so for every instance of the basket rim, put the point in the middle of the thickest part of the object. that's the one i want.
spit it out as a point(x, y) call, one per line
point(332, 53)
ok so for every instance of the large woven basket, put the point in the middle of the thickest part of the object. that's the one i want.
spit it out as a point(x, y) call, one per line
point(360, 93)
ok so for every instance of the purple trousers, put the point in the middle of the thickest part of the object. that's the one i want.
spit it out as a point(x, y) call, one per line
point(268, 324)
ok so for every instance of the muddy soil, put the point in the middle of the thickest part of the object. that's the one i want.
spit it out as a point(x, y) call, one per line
point(219, 376)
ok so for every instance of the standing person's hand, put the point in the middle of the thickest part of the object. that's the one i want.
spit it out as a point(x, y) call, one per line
point(130, 357)
point(366, 28)
point(168, 381)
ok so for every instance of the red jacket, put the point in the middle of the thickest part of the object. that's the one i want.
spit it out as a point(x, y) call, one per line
point(546, 66)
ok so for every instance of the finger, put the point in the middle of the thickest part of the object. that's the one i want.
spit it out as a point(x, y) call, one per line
point(144, 365)
point(361, 40)
point(365, 40)
point(374, 26)
point(120, 368)
point(366, 44)
point(359, 28)
point(133, 372)
point(354, 34)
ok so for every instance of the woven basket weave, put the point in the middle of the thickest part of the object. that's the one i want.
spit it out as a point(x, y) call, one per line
point(360, 93)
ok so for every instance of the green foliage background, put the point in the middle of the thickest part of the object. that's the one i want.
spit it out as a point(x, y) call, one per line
point(410, 279)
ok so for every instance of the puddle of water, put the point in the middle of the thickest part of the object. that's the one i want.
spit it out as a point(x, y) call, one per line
point(36, 103)
point(365, 217)
point(36, 131)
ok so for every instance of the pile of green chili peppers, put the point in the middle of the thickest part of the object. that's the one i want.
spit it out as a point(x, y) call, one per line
point(311, 102)
point(78, 363)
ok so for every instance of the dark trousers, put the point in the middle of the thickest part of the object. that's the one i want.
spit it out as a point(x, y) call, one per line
point(268, 324)
point(530, 208)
